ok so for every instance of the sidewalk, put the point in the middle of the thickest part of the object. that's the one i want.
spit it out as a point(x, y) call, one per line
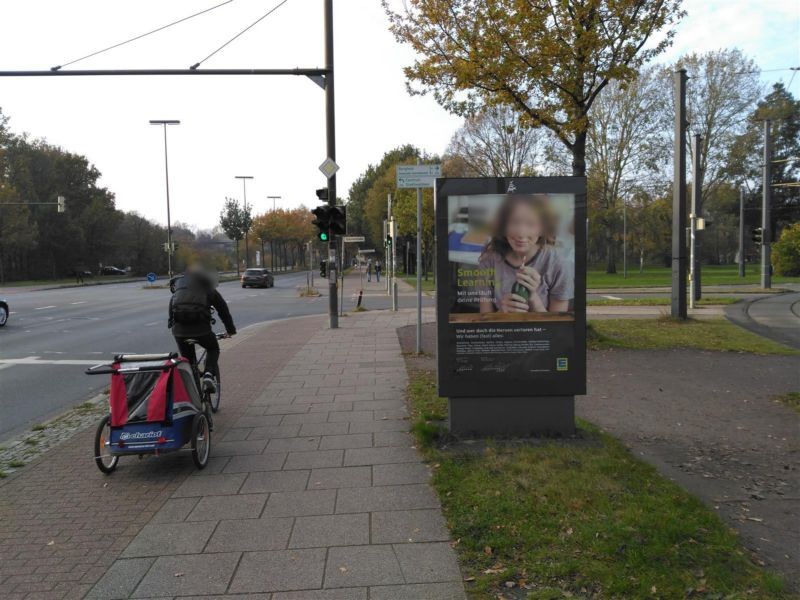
point(314, 490)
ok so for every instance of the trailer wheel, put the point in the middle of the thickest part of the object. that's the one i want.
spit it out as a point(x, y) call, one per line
point(105, 461)
point(201, 440)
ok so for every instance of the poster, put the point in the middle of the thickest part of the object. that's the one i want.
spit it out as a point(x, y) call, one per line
point(511, 286)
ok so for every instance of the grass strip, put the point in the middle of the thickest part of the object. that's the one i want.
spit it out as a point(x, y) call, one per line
point(564, 519)
point(662, 276)
point(657, 301)
point(666, 333)
point(428, 285)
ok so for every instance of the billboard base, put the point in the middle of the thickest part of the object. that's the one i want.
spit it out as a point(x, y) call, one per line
point(512, 416)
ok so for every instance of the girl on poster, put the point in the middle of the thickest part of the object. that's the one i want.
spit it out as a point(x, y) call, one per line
point(529, 275)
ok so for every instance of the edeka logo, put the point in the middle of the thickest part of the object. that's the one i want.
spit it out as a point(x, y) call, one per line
point(140, 435)
point(562, 364)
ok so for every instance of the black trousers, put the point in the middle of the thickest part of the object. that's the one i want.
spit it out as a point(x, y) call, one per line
point(211, 345)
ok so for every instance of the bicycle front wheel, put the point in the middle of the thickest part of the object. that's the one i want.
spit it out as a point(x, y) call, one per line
point(215, 397)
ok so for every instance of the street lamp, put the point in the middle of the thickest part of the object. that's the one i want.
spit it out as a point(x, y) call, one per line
point(244, 179)
point(164, 123)
point(272, 254)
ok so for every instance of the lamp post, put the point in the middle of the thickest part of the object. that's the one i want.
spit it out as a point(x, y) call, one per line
point(273, 198)
point(164, 123)
point(244, 179)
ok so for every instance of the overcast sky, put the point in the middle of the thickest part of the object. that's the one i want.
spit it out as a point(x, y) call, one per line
point(272, 128)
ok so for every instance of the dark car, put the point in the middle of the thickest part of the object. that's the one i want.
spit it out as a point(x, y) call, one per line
point(112, 271)
point(257, 278)
point(3, 312)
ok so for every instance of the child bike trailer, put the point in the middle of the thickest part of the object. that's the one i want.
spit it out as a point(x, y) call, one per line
point(155, 408)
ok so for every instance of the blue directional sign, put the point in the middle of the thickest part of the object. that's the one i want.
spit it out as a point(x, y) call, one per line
point(151, 277)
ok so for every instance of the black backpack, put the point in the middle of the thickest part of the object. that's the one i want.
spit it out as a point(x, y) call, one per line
point(190, 301)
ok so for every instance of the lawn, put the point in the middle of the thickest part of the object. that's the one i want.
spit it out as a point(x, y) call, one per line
point(578, 519)
point(596, 277)
point(657, 301)
point(427, 285)
point(707, 334)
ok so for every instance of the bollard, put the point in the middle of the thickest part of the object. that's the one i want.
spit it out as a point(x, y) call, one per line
point(360, 292)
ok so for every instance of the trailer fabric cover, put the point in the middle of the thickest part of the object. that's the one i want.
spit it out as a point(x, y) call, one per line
point(118, 399)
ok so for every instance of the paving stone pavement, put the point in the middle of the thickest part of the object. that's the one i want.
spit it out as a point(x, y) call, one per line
point(63, 523)
point(315, 491)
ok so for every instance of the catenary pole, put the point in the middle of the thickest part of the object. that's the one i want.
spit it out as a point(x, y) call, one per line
point(419, 268)
point(678, 300)
point(766, 230)
point(330, 136)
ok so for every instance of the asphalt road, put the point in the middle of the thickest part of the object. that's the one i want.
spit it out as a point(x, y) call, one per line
point(53, 335)
point(776, 317)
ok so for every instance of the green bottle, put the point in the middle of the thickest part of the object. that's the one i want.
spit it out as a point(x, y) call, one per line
point(519, 289)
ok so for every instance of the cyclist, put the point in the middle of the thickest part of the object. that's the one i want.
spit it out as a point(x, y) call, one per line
point(194, 295)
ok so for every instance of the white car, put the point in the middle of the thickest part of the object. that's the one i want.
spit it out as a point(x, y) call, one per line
point(3, 311)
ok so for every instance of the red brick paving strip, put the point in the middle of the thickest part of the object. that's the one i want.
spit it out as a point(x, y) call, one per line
point(63, 523)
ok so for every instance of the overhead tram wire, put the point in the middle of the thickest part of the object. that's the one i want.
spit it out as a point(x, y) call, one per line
point(138, 37)
point(243, 31)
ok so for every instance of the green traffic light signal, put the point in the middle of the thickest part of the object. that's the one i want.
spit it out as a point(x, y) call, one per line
point(323, 236)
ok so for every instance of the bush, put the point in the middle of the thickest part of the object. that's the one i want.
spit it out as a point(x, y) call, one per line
point(786, 252)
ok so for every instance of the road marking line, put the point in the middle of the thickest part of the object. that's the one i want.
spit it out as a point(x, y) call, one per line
point(81, 302)
point(36, 360)
point(151, 324)
point(4, 366)
point(613, 297)
point(44, 307)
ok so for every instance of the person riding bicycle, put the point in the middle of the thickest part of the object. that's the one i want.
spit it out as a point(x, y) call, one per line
point(194, 295)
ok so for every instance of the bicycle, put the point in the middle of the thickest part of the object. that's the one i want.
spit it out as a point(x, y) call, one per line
point(198, 368)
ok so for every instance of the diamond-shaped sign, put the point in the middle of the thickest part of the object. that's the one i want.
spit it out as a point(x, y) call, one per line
point(329, 168)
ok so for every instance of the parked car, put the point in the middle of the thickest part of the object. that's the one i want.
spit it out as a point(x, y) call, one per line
point(112, 271)
point(4, 310)
point(257, 278)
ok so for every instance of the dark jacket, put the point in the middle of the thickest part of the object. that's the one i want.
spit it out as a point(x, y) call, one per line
point(217, 302)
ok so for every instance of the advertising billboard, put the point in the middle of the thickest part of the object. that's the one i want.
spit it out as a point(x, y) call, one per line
point(511, 286)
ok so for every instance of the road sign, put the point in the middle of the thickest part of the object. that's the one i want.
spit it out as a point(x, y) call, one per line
point(417, 176)
point(370, 251)
point(329, 168)
point(353, 239)
point(151, 277)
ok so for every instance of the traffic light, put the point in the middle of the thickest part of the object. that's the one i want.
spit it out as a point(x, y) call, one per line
point(323, 268)
point(388, 241)
point(323, 221)
point(62, 204)
point(338, 220)
point(758, 235)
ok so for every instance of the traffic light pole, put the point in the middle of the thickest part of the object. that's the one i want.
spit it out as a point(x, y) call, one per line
point(330, 135)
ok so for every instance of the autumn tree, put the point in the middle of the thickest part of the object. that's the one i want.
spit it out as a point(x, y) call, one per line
point(628, 144)
point(494, 143)
point(360, 214)
point(746, 155)
point(548, 61)
point(723, 88)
